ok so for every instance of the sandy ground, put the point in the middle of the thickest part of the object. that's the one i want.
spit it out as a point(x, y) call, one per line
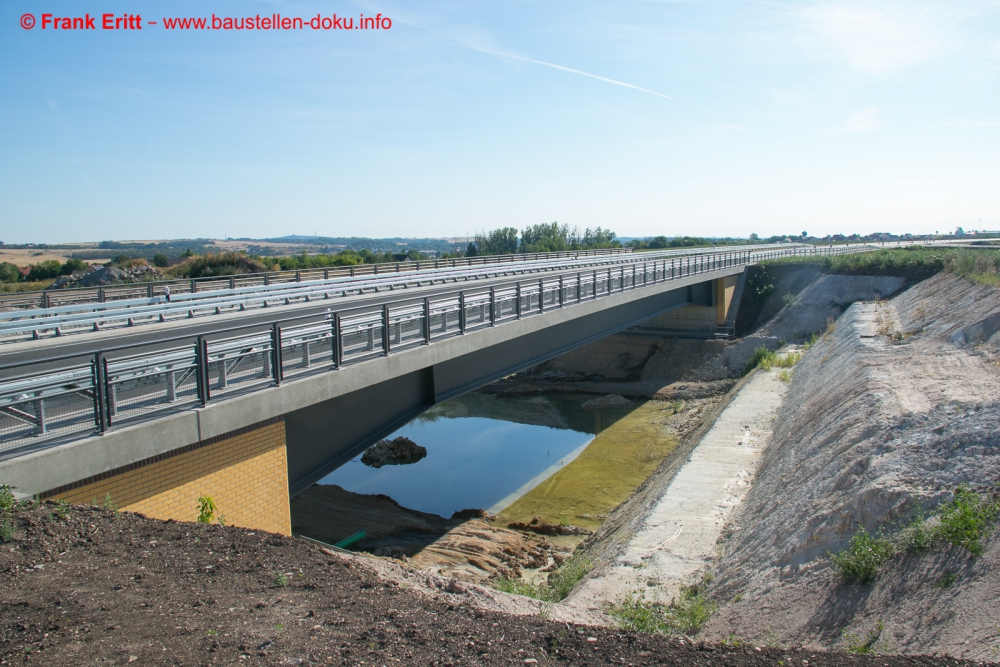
point(679, 533)
point(887, 414)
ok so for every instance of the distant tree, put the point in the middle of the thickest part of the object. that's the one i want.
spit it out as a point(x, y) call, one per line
point(502, 241)
point(45, 270)
point(415, 255)
point(72, 265)
point(599, 238)
point(9, 273)
point(160, 260)
point(545, 238)
point(959, 231)
point(472, 250)
point(754, 238)
point(121, 259)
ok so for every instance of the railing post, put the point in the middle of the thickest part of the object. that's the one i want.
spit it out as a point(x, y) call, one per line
point(298, 276)
point(562, 292)
point(149, 292)
point(595, 284)
point(493, 307)
point(579, 287)
point(279, 372)
point(45, 299)
point(427, 321)
point(541, 295)
point(194, 286)
point(100, 408)
point(267, 279)
point(517, 302)
point(385, 328)
point(232, 283)
point(461, 312)
point(338, 356)
point(204, 391)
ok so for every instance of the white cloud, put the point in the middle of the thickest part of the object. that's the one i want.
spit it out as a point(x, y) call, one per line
point(876, 39)
point(866, 120)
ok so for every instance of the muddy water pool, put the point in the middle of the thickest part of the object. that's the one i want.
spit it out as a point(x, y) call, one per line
point(482, 452)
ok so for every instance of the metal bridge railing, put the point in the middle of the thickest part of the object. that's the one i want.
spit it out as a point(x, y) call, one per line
point(124, 385)
point(149, 290)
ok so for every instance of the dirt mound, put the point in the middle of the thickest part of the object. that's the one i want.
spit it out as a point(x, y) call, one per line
point(400, 451)
point(88, 585)
point(873, 430)
point(108, 275)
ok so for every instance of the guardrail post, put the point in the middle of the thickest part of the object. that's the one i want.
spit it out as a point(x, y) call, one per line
point(541, 295)
point(277, 370)
point(493, 307)
point(232, 283)
point(461, 312)
point(385, 328)
point(427, 321)
point(45, 299)
point(100, 408)
point(517, 302)
point(201, 356)
point(335, 341)
point(194, 286)
point(267, 279)
point(595, 284)
point(579, 287)
point(562, 292)
point(298, 276)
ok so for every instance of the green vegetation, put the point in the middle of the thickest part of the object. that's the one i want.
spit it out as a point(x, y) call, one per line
point(966, 520)
point(206, 509)
point(864, 646)
point(862, 559)
point(557, 587)
point(62, 509)
point(767, 359)
point(684, 616)
point(281, 580)
point(946, 580)
point(6, 530)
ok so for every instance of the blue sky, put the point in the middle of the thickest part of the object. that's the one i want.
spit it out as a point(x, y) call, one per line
point(706, 118)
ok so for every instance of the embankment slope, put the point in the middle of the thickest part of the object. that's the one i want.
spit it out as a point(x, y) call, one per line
point(871, 429)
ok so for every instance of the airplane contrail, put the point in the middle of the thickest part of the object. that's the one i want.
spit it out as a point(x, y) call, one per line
point(574, 71)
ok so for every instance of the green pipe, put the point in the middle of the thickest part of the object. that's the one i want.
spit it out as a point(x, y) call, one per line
point(348, 541)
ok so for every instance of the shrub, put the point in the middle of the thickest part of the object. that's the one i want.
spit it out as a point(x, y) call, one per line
point(916, 536)
point(760, 357)
point(206, 509)
point(6, 531)
point(9, 273)
point(864, 646)
point(557, 587)
point(965, 521)
point(7, 502)
point(863, 557)
point(685, 615)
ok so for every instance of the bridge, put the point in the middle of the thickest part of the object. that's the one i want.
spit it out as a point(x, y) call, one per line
point(251, 393)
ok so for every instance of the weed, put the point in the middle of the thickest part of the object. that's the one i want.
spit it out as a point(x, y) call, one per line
point(7, 501)
point(279, 627)
point(211, 632)
point(861, 560)
point(731, 640)
point(558, 586)
point(784, 376)
point(737, 597)
point(946, 580)
point(864, 646)
point(544, 611)
point(762, 357)
point(684, 616)
point(206, 509)
point(772, 640)
point(916, 536)
point(563, 520)
point(109, 504)
point(62, 509)
point(6, 531)
point(965, 521)
point(221, 520)
point(281, 580)
point(788, 298)
point(788, 360)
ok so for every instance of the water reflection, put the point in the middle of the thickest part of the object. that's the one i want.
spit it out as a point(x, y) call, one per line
point(482, 451)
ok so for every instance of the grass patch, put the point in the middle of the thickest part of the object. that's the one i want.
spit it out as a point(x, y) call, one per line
point(762, 357)
point(6, 531)
point(863, 557)
point(864, 646)
point(683, 616)
point(946, 580)
point(558, 586)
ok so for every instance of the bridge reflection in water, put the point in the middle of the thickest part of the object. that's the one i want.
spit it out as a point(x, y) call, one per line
point(483, 452)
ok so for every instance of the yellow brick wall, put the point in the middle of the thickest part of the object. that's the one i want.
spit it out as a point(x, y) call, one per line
point(246, 476)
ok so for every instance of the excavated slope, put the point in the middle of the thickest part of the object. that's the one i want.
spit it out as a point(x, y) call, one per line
point(870, 430)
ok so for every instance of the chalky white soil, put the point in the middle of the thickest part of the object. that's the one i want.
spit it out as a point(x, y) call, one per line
point(871, 429)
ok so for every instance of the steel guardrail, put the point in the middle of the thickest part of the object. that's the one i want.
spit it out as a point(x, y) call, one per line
point(91, 393)
point(96, 315)
point(50, 297)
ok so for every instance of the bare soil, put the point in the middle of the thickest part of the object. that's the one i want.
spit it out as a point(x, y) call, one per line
point(89, 586)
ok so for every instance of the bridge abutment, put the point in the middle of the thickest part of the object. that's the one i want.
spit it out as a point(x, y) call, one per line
point(245, 472)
